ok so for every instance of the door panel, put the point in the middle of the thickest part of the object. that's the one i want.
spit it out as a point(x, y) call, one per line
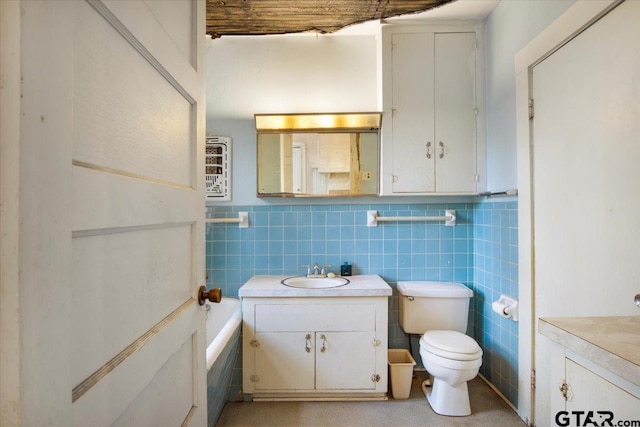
point(115, 84)
point(112, 287)
point(585, 178)
point(111, 228)
point(174, 382)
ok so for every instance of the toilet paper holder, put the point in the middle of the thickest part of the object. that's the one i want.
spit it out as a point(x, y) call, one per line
point(506, 307)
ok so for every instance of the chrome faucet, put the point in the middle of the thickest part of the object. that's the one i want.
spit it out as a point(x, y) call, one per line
point(317, 271)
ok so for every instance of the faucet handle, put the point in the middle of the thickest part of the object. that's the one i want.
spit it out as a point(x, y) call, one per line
point(324, 266)
point(308, 267)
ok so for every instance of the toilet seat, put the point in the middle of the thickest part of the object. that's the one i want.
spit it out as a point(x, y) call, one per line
point(430, 359)
point(452, 345)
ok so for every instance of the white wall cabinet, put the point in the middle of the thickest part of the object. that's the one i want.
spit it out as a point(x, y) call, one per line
point(315, 348)
point(432, 132)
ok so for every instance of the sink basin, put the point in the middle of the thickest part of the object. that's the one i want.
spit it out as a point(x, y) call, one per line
point(315, 282)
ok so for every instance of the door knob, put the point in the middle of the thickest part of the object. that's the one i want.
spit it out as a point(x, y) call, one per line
point(213, 295)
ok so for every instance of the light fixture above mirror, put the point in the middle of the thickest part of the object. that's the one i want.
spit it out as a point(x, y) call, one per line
point(318, 154)
point(333, 122)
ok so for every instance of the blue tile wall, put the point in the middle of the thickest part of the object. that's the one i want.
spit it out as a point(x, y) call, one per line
point(280, 239)
point(495, 272)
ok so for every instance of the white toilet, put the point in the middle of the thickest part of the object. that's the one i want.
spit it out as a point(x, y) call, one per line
point(439, 311)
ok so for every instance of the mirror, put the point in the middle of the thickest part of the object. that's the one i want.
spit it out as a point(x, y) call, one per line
point(311, 161)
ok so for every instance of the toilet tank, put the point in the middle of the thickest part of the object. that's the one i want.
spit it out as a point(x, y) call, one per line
point(428, 306)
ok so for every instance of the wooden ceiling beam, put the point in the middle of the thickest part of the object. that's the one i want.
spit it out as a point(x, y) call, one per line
point(262, 17)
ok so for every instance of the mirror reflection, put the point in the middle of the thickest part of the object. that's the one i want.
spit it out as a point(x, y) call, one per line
point(327, 163)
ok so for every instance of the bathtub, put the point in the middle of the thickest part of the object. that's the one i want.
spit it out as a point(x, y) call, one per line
point(223, 340)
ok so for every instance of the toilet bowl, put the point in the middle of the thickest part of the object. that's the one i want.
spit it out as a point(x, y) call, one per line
point(452, 358)
point(438, 311)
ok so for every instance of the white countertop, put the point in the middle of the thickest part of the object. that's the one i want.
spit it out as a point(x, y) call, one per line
point(367, 285)
point(610, 342)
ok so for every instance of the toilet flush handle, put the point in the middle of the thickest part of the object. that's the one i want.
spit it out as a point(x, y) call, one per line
point(213, 295)
point(410, 298)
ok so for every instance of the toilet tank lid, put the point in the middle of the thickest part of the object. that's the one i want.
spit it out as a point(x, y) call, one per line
point(434, 289)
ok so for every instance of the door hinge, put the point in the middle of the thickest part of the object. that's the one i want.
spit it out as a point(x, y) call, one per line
point(254, 343)
point(254, 378)
point(476, 178)
point(376, 342)
point(393, 112)
point(530, 109)
point(533, 380)
point(475, 112)
point(375, 378)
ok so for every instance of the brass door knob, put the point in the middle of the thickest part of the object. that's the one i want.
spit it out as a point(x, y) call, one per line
point(213, 295)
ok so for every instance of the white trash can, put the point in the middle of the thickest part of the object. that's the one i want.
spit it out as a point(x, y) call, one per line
point(401, 365)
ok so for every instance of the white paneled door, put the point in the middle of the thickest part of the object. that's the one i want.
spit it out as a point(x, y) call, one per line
point(586, 181)
point(105, 224)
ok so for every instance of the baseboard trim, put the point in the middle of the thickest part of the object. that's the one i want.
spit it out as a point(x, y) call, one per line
point(499, 393)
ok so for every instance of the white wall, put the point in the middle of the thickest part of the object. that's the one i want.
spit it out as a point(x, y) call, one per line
point(509, 28)
point(283, 74)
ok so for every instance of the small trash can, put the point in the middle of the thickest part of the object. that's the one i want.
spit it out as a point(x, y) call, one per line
point(400, 372)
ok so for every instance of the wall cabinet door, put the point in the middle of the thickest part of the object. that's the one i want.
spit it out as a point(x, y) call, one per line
point(431, 137)
point(412, 111)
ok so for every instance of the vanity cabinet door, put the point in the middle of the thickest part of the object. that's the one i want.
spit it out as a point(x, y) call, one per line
point(345, 360)
point(282, 361)
point(430, 139)
point(589, 391)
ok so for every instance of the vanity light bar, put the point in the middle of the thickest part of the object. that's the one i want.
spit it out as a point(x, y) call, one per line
point(318, 121)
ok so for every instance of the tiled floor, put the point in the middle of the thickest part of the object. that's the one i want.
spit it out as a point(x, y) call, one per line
point(487, 408)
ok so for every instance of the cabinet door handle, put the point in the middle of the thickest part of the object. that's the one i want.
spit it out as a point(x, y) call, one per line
point(428, 149)
point(324, 343)
point(307, 343)
point(441, 144)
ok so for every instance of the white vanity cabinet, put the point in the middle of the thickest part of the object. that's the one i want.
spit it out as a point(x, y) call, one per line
point(315, 348)
point(594, 369)
point(432, 132)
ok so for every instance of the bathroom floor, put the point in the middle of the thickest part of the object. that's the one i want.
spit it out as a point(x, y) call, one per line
point(487, 408)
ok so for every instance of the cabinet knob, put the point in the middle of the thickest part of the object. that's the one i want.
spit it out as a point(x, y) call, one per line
point(441, 144)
